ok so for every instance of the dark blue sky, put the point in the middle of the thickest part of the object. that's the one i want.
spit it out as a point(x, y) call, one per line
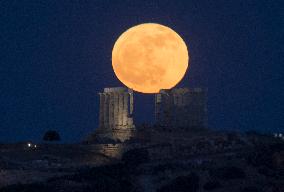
point(56, 56)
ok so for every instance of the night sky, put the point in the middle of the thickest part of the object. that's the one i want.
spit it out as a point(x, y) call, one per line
point(56, 56)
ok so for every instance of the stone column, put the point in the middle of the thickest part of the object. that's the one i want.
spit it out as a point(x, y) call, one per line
point(180, 99)
point(106, 109)
point(110, 110)
point(131, 103)
point(101, 115)
point(120, 109)
point(168, 109)
point(116, 109)
point(130, 110)
point(125, 108)
point(158, 109)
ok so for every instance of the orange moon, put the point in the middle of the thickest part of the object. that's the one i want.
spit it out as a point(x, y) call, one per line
point(150, 57)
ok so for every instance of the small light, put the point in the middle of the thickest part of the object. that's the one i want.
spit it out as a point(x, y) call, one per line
point(35, 146)
point(29, 145)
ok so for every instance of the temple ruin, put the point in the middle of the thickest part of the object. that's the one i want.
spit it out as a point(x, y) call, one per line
point(175, 108)
point(115, 115)
point(181, 107)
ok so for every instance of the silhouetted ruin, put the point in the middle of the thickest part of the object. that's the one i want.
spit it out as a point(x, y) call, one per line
point(181, 107)
point(115, 115)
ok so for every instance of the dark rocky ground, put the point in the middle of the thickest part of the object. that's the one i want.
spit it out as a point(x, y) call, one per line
point(259, 169)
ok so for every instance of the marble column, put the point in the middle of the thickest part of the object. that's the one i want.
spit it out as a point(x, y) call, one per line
point(116, 109)
point(125, 108)
point(131, 103)
point(120, 109)
point(106, 110)
point(101, 112)
point(111, 110)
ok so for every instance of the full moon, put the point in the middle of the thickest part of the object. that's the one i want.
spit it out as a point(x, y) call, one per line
point(150, 57)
